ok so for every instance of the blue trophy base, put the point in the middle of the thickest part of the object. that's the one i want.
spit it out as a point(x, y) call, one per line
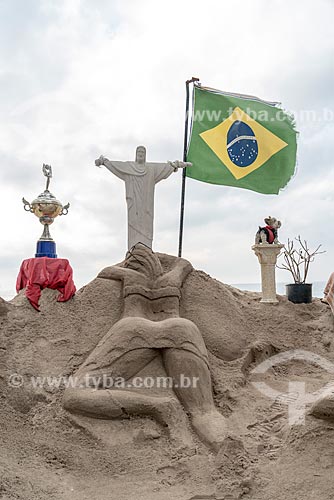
point(46, 248)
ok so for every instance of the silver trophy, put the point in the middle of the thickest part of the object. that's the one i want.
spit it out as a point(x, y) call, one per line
point(46, 207)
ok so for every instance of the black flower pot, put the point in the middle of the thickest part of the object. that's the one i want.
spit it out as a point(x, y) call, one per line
point(299, 293)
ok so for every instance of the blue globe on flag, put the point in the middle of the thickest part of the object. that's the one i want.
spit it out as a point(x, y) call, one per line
point(242, 146)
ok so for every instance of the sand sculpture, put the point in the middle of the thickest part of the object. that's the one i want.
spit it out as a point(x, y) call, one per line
point(140, 178)
point(150, 326)
point(50, 453)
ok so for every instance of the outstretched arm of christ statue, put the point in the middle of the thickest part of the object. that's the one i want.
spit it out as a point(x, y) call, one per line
point(119, 168)
point(176, 164)
point(122, 168)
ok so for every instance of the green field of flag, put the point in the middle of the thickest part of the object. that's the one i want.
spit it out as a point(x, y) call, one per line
point(241, 141)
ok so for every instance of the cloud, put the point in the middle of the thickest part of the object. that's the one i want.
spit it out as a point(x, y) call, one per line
point(80, 78)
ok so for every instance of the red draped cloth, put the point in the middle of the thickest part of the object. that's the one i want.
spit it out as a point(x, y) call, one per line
point(43, 272)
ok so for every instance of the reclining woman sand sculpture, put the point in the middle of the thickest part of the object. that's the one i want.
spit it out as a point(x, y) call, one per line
point(150, 326)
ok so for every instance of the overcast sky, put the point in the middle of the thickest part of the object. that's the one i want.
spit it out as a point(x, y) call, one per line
point(81, 78)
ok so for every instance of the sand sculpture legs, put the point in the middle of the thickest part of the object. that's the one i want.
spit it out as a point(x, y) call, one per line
point(183, 353)
point(197, 400)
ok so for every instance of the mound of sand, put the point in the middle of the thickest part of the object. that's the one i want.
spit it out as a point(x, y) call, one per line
point(48, 454)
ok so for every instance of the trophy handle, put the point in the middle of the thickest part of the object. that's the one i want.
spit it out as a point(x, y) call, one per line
point(65, 209)
point(27, 207)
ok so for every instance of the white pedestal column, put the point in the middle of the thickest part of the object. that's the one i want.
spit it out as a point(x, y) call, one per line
point(267, 255)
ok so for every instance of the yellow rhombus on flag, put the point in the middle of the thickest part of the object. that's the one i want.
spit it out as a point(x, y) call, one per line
point(268, 143)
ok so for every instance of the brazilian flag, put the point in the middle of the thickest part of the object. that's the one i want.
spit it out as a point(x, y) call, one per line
point(241, 141)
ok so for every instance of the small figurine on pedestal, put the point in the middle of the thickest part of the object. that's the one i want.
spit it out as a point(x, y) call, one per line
point(267, 248)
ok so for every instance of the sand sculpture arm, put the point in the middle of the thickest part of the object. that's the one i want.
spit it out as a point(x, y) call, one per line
point(117, 273)
point(178, 274)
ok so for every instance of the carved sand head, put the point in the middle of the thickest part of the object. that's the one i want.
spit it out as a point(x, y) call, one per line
point(141, 155)
point(142, 259)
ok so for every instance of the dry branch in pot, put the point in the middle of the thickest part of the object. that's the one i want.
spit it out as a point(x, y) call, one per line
point(297, 261)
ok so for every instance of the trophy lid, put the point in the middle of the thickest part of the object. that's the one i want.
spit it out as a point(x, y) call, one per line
point(46, 197)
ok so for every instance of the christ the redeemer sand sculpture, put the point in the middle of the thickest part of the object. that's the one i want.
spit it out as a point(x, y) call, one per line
point(150, 326)
point(140, 178)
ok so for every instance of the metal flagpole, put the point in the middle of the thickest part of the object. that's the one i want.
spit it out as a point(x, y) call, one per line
point(185, 144)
